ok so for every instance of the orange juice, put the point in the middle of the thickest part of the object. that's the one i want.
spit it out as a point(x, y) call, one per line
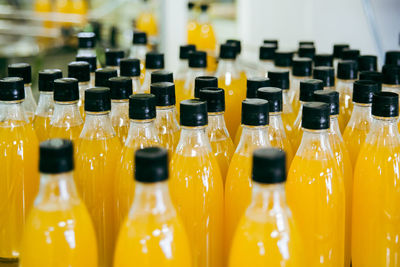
point(154, 61)
point(77, 7)
point(196, 186)
point(147, 22)
point(152, 218)
point(192, 26)
point(205, 38)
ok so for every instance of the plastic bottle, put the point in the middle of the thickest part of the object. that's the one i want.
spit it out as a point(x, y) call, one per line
point(315, 190)
point(238, 183)
point(59, 231)
point(159, 76)
point(367, 63)
point(196, 186)
point(323, 60)
point(103, 75)
point(24, 71)
point(267, 233)
point(153, 218)
point(67, 121)
point(201, 82)
point(206, 40)
point(92, 60)
point(86, 44)
point(375, 212)
point(221, 143)
point(239, 64)
point(45, 108)
point(130, 67)
point(139, 51)
point(391, 78)
point(113, 57)
point(193, 26)
point(266, 57)
point(182, 70)
point(166, 123)
point(147, 21)
point(80, 70)
point(301, 70)
point(392, 58)
point(18, 157)
point(154, 61)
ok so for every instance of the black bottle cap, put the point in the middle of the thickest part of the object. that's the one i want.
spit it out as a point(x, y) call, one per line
point(129, 67)
point(274, 97)
point(269, 166)
point(215, 98)
point(237, 44)
point(113, 56)
point(338, 49)
point(79, 70)
point(56, 156)
point(364, 90)
point(201, 82)
point(391, 74)
point(347, 70)
point(142, 106)
point(103, 75)
point(162, 76)
point(350, 54)
point(385, 104)
point(302, 67)
point(267, 52)
point(190, 5)
point(92, 60)
point(22, 70)
point(283, 58)
point(184, 50)
point(66, 89)
point(151, 165)
point(193, 113)
point(164, 92)
point(198, 59)
point(274, 42)
point(305, 43)
point(392, 58)
point(315, 116)
point(46, 79)
point(254, 83)
point(307, 51)
point(323, 60)
point(372, 76)
point(98, 99)
point(307, 89)
point(204, 7)
point(11, 89)
point(279, 78)
point(120, 87)
point(86, 40)
point(330, 97)
point(367, 62)
point(154, 60)
point(255, 112)
point(139, 38)
point(325, 74)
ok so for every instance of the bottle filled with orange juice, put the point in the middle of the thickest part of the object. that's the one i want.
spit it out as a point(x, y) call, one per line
point(267, 233)
point(86, 44)
point(342, 157)
point(205, 38)
point(98, 150)
point(302, 70)
point(182, 70)
point(92, 60)
point(166, 123)
point(221, 143)
point(59, 231)
point(45, 107)
point(113, 57)
point(153, 218)
point(130, 67)
point(239, 64)
point(266, 57)
point(76, 7)
point(24, 71)
point(154, 61)
point(66, 121)
point(315, 190)
point(18, 157)
point(277, 134)
point(121, 89)
point(238, 183)
point(360, 121)
point(193, 26)
point(139, 50)
point(147, 22)
point(376, 190)
point(229, 79)
point(391, 78)
point(196, 186)
point(142, 133)
point(103, 75)
point(80, 70)
point(160, 76)
point(346, 75)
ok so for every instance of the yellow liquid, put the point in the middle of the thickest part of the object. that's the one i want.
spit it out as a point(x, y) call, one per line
point(182, 93)
point(223, 151)
point(62, 237)
point(42, 127)
point(121, 132)
point(288, 116)
point(147, 23)
point(71, 132)
point(44, 6)
point(280, 140)
point(193, 29)
point(197, 192)
point(169, 140)
point(78, 7)
point(95, 177)
point(345, 104)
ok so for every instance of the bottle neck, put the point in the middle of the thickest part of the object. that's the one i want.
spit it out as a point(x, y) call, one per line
point(45, 106)
point(194, 137)
point(384, 127)
point(253, 136)
point(216, 120)
point(334, 126)
point(119, 107)
point(275, 121)
point(68, 110)
point(166, 112)
point(227, 66)
point(144, 129)
point(360, 113)
point(203, 18)
point(12, 111)
point(139, 51)
point(195, 72)
point(86, 52)
point(268, 197)
point(97, 125)
point(313, 142)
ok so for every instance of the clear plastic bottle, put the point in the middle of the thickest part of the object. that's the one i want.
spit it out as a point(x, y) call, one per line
point(196, 186)
point(130, 67)
point(238, 184)
point(147, 21)
point(80, 70)
point(221, 143)
point(315, 190)
point(154, 61)
point(24, 71)
point(267, 223)
point(113, 57)
point(239, 61)
point(266, 57)
point(181, 72)
point(45, 108)
point(391, 78)
point(367, 63)
point(166, 123)
point(103, 75)
point(86, 44)
point(139, 51)
point(92, 60)
point(302, 70)
point(153, 218)
point(67, 121)
point(18, 157)
point(193, 26)
point(376, 190)
point(206, 39)
point(59, 230)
